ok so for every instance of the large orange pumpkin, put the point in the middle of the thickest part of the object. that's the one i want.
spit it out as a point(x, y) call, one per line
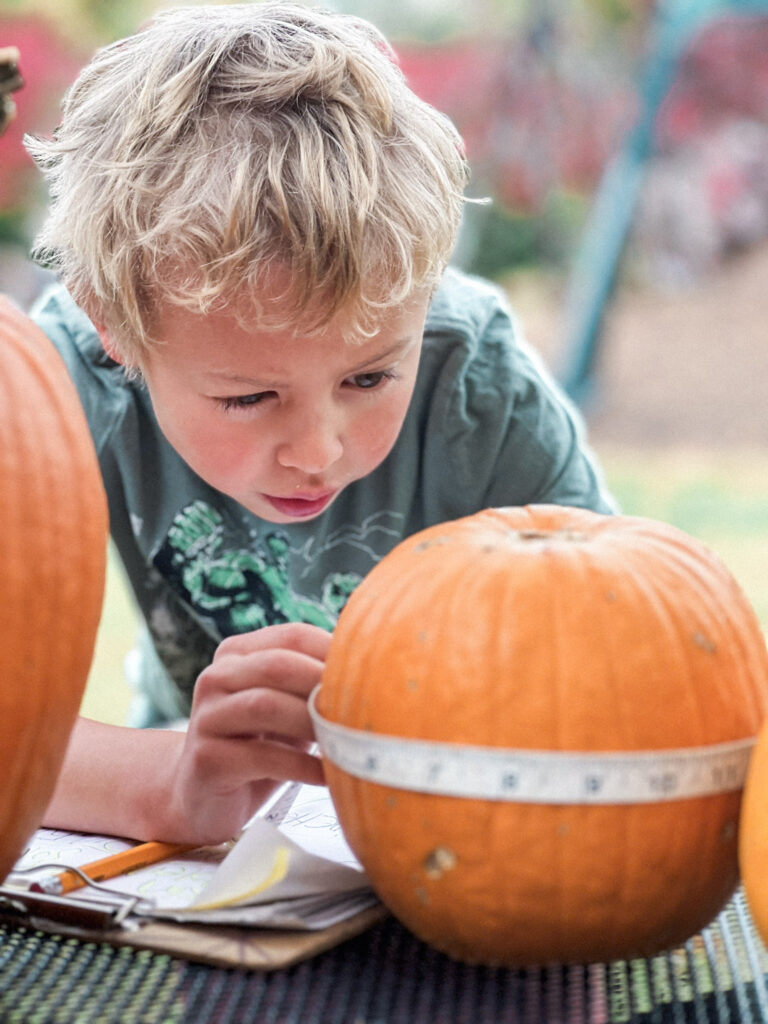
point(53, 529)
point(753, 835)
point(555, 630)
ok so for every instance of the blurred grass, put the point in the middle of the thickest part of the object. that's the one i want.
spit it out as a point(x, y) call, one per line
point(107, 695)
point(719, 497)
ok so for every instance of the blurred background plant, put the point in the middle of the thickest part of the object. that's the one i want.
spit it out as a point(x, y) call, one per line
point(544, 93)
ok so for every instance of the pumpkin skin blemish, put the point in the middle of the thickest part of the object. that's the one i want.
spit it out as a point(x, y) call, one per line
point(703, 642)
point(440, 860)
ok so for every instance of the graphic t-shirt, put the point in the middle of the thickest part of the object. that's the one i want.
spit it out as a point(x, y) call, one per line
point(486, 427)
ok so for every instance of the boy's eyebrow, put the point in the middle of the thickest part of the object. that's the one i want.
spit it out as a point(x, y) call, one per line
point(395, 349)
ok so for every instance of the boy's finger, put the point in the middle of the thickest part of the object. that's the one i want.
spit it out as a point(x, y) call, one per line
point(281, 670)
point(254, 712)
point(290, 636)
point(232, 763)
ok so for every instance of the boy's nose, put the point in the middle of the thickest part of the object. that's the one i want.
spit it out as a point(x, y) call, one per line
point(313, 450)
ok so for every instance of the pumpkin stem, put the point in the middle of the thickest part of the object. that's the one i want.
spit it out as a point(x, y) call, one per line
point(532, 535)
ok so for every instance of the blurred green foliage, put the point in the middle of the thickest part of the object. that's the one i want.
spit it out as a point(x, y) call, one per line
point(87, 23)
point(503, 240)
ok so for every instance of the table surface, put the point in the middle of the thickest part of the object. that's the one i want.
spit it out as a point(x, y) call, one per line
point(384, 976)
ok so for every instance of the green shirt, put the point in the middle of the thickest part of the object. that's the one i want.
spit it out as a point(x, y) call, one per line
point(486, 427)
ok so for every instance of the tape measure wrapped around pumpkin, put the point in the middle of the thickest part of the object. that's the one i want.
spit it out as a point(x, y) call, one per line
point(536, 724)
point(53, 537)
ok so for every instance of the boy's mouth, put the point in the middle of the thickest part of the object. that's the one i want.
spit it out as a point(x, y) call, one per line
point(299, 507)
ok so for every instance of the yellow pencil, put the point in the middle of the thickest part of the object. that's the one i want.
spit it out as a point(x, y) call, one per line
point(110, 867)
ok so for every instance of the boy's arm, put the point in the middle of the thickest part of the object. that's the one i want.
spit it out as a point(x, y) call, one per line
point(249, 730)
point(111, 780)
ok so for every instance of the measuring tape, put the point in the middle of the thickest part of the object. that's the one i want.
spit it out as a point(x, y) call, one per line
point(533, 776)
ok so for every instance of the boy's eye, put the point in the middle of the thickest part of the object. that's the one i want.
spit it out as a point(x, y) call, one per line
point(243, 401)
point(367, 381)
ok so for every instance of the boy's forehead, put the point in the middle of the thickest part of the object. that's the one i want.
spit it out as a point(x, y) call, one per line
point(269, 307)
point(276, 296)
point(228, 344)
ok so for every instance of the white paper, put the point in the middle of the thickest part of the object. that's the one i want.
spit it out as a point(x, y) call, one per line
point(298, 874)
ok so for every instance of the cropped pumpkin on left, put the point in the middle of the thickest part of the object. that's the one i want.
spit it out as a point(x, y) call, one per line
point(53, 538)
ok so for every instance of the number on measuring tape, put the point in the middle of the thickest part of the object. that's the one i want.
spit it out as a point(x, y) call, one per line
point(534, 776)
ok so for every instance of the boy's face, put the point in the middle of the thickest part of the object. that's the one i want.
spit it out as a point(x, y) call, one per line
point(278, 422)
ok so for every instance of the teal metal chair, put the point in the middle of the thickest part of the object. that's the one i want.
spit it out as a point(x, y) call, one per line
point(595, 267)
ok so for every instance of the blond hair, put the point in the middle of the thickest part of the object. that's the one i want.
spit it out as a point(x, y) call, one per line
point(221, 142)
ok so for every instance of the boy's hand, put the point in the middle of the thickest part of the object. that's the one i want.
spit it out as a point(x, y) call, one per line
point(249, 730)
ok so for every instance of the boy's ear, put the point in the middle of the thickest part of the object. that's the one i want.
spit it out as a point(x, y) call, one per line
point(108, 345)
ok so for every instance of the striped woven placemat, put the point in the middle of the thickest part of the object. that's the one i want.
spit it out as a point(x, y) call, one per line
point(384, 976)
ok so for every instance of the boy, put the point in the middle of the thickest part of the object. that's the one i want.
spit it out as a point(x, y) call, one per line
point(254, 215)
